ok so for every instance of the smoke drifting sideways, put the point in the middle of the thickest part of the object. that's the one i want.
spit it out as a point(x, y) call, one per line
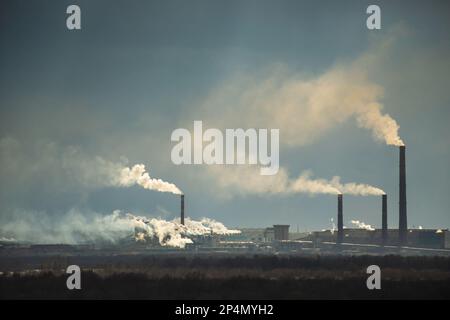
point(356, 223)
point(356, 189)
point(305, 106)
point(69, 169)
point(138, 175)
point(246, 180)
point(81, 228)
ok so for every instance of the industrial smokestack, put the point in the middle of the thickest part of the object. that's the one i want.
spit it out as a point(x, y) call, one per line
point(384, 223)
point(182, 209)
point(402, 224)
point(340, 221)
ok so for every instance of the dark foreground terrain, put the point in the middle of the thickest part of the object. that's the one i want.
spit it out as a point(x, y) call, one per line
point(226, 277)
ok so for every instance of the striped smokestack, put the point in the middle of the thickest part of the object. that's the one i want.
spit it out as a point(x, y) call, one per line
point(384, 223)
point(402, 224)
point(340, 221)
point(182, 209)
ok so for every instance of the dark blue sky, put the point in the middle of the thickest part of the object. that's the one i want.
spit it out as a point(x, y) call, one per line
point(140, 69)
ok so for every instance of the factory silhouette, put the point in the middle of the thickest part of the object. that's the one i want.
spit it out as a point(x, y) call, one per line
point(383, 239)
point(277, 238)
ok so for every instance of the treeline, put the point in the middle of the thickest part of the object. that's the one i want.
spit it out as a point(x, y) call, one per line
point(138, 286)
point(214, 261)
point(304, 262)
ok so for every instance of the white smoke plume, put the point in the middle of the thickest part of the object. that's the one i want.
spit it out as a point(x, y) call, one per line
point(77, 228)
point(71, 168)
point(246, 179)
point(173, 233)
point(138, 175)
point(305, 107)
point(382, 125)
point(357, 189)
point(361, 225)
point(207, 225)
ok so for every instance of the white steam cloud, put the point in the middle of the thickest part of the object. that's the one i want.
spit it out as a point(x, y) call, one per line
point(246, 179)
point(361, 225)
point(173, 233)
point(79, 228)
point(70, 168)
point(138, 175)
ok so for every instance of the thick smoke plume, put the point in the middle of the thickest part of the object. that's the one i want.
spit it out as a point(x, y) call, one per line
point(382, 125)
point(116, 228)
point(70, 168)
point(304, 107)
point(173, 233)
point(138, 175)
point(246, 179)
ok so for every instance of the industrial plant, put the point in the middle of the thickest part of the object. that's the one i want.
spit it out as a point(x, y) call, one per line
point(381, 240)
point(277, 238)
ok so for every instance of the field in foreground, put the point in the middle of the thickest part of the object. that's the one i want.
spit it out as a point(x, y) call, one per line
point(234, 277)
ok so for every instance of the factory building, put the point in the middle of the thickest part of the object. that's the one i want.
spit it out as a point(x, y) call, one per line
point(421, 238)
point(281, 232)
point(270, 234)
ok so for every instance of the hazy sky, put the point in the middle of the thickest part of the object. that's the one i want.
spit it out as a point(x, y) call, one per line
point(140, 69)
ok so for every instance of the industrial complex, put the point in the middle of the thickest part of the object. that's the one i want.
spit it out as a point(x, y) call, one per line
point(277, 238)
point(382, 239)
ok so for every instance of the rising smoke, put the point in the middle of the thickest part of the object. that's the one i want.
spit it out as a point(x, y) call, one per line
point(357, 189)
point(138, 175)
point(245, 179)
point(69, 167)
point(80, 228)
point(303, 107)
point(173, 233)
point(382, 125)
point(55, 171)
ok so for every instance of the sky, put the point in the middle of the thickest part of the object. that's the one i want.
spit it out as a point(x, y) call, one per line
point(73, 103)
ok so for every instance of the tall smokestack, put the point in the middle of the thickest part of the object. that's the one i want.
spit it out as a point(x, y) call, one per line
point(182, 209)
point(402, 224)
point(384, 223)
point(340, 221)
